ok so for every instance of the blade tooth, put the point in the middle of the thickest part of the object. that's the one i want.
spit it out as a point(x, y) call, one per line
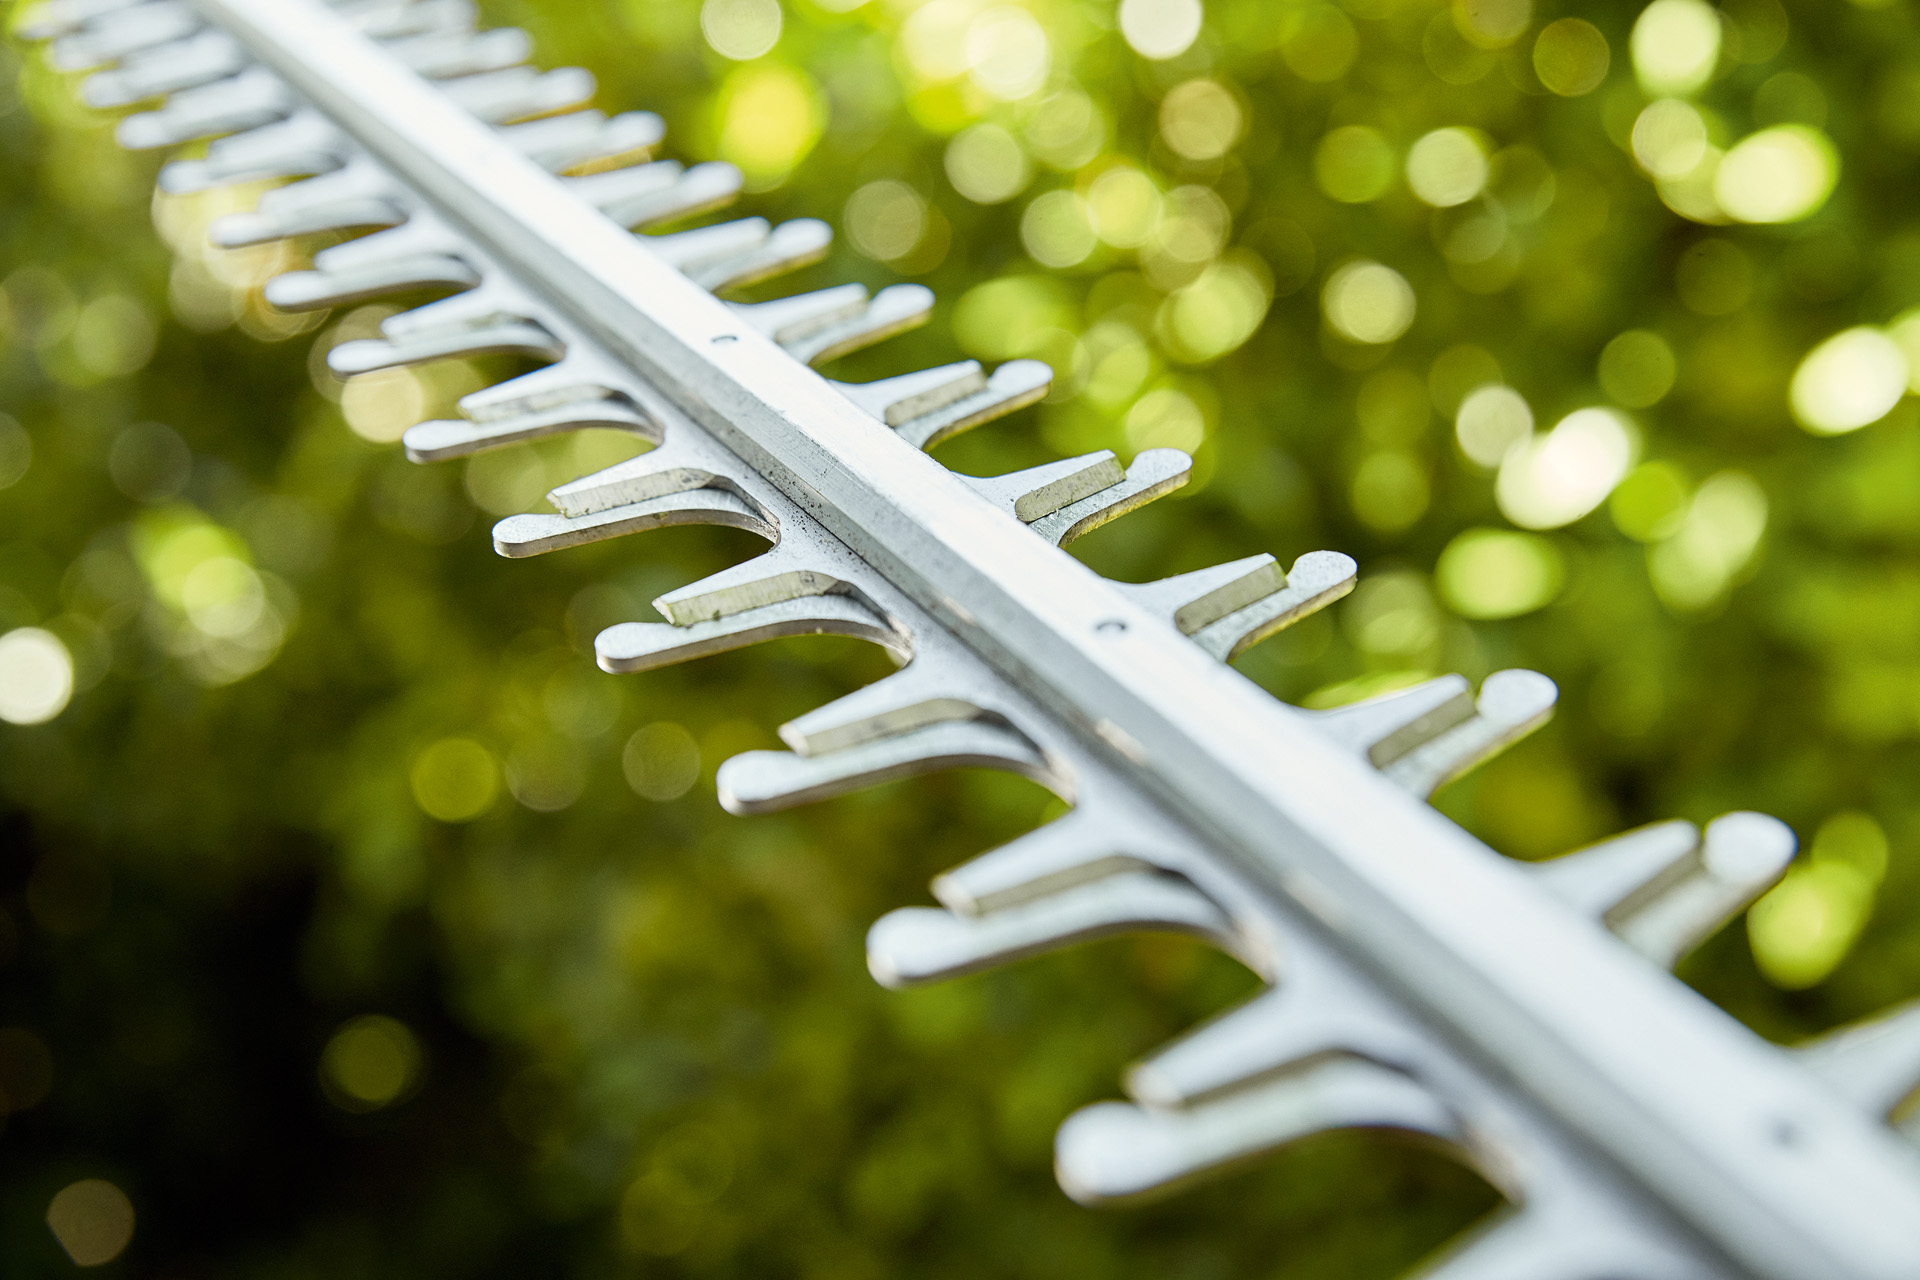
point(900, 400)
point(443, 55)
point(891, 311)
point(499, 97)
point(586, 137)
point(1512, 704)
point(1013, 386)
point(1154, 473)
point(1316, 1011)
point(922, 944)
point(404, 18)
point(617, 187)
point(1199, 599)
point(677, 465)
point(643, 646)
point(1596, 880)
point(1386, 727)
point(1316, 580)
point(803, 316)
point(767, 781)
point(55, 18)
point(582, 378)
point(243, 230)
point(245, 101)
point(790, 571)
point(1085, 844)
point(524, 337)
point(518, 537)
point(1115, 1151)
point(920, 694)
point(1040, 491)
point(1664, 890)
point(442, 439)
point(358, 195)
point(422, 234)
point(686, 251)
point(792, 245)
point(110, 36)
point(318, 290)
point(422, 253)
point(934, 405)
point(198, 59)
point(659, 192)
point(1874, 1064)
point(497, 300)
point(304, 143)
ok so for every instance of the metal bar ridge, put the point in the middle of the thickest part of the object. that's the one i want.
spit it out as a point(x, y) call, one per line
point(1763, 1162)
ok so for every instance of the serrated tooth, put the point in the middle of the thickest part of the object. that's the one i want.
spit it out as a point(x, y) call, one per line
point(245, 101)
point(443, 55)
point(518, 537)
point(1315, 1011)
point(676, 465)
point(821, 326)
point(303, 143)
point(1428, 735)
point(583, 377)
point(496, 300)
point(55, 18)
point(686, 251)
point(1599, 878)
point(521, 337)
point(446, 438)
point(660, 192)
point(1154, 473)
point(199, 59)
point(402, 18)
point(517, 93)
point(1040, 491)
point(1231, 607)
point(1114, 1151)
point(917, 695)
point(109, 36)
point(317, 290)
point(1386, 727)
point(1195, 600)
point(928, 944)
point(789, 571)
point(899, 400)
point(1082, 845)
point(359, 194)
point(933, 405)
point(643, 646)
point(586, 138)
point(422, 253)
point(1663, 889)
point(1874, 1064)
point(766, 781)
point(791, 245)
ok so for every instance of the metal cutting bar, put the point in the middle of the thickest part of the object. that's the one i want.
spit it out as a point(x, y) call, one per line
point(1758, 1158)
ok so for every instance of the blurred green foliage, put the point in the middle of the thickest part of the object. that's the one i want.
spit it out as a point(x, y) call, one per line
point(355, 924)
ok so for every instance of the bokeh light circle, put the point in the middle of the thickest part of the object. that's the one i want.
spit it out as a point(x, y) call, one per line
point(1675, 46)
point(36, 676)
point(1852, 379)
point(1780, 174)
point(1556, 478)
point(1160, 29)
point(1447, 167)
point(1368, 302)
